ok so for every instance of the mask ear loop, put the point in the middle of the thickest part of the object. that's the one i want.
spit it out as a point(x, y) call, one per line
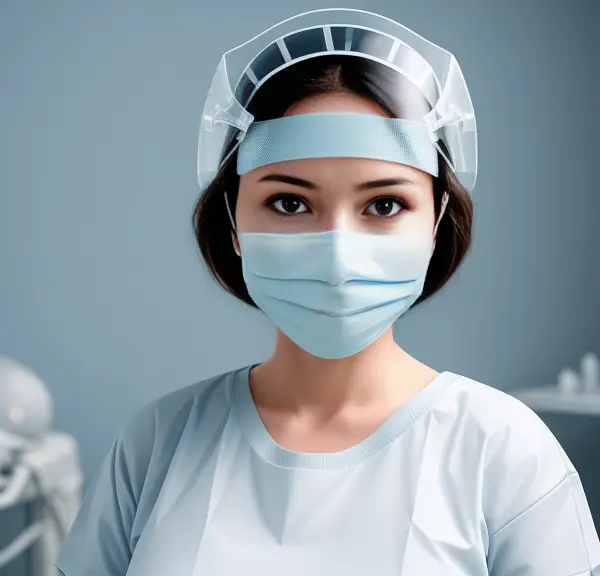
point(233, 230)
point(445, 199)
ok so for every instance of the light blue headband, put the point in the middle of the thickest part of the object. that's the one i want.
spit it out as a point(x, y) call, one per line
point(337, 135)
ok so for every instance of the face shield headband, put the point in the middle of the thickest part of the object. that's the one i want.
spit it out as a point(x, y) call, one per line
point(337, 135)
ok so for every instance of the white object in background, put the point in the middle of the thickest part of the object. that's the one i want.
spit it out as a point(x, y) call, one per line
point(573, 394)
point(590, 373)
point(43, 467)
point(26, 407)
point(55, 463)
point(568, 382)
point(549, 399)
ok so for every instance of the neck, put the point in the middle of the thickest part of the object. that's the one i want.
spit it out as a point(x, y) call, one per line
point(294, 380)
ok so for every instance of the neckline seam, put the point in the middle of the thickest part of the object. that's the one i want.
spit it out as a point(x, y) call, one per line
point(276, 455)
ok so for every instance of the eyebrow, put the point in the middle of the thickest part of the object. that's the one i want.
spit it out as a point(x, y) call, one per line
point(385, 182)
point(371, 185)
point(286, 179)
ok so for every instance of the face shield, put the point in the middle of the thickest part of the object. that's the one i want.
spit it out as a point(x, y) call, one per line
point(433, 71)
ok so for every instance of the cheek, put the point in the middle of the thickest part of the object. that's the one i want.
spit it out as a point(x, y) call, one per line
point(253, 215)
point(422, 216)
point(417, 223)
point(411, 223)
point(247, 210)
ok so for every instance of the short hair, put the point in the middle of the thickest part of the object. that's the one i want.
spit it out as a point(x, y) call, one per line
point(319, 76)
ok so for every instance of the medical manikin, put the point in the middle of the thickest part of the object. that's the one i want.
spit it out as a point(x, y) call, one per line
point(336, 157)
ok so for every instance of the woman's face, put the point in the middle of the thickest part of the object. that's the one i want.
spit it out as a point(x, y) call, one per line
point(316, 195)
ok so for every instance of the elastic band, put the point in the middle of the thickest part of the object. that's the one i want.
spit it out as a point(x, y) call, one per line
point(338, 135)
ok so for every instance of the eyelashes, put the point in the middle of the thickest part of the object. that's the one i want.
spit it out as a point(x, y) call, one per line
point(287, 204)
point(382, 207)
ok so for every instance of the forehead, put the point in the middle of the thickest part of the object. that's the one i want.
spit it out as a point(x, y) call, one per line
point(336, 102)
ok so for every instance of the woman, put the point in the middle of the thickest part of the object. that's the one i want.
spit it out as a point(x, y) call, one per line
point(338, 160)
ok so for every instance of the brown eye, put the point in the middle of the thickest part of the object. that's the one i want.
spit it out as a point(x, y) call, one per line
point(384, 207)
point(288, 205)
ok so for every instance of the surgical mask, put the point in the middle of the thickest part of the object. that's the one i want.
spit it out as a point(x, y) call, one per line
point(334, 293)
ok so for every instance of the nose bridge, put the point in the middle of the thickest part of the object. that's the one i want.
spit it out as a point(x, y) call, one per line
point(338, 207)
point(335, 205)
point(338, 256)
point(337, 222)
point(337, 217)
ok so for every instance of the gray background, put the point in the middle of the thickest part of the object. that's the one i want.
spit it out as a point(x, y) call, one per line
point(102, 291)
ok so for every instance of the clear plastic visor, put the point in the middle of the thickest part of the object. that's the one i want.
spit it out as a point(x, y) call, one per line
point(431, 69)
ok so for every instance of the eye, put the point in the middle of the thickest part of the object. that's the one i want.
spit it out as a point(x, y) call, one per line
point(385, 207)
point(288, 204)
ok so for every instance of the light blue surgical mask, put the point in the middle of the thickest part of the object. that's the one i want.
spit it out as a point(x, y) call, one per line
point(334, 293)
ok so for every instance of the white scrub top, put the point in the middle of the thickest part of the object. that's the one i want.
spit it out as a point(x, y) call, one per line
point(462, 480)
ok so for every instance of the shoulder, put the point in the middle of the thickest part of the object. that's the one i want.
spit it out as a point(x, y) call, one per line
point(168, 415)
point(145, 446)
point(510, 428)
point(121, 496)
point(500, 416)
point(521, 459)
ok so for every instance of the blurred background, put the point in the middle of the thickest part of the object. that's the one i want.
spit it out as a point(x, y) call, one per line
point(102, 291)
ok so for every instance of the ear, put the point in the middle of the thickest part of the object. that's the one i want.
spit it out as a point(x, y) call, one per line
point(236, 244)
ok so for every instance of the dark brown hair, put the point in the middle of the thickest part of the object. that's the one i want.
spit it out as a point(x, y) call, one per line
point(312, 77)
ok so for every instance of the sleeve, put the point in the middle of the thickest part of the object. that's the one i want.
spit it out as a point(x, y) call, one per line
point(539, 519)
point(98, 542)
